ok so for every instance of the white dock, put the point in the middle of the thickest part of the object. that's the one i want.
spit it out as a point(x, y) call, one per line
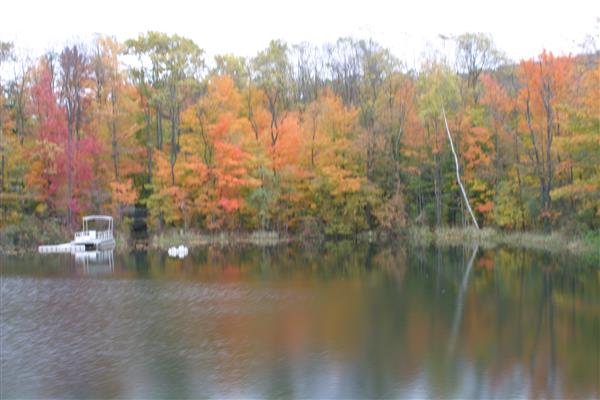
point(87, 239)
point(62, 248)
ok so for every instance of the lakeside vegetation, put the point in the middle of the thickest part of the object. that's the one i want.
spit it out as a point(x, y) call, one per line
point(301, 141)
point(588, 243)
point(19, 239)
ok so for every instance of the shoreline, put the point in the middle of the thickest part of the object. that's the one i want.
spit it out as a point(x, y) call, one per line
point(488, 238)
point(417, 236)
point(164, 240)
point(491, 238)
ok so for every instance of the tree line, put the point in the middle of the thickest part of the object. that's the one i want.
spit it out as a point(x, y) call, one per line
point(334, 139)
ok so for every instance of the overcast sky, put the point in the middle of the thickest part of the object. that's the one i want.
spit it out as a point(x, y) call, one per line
point(521, 28)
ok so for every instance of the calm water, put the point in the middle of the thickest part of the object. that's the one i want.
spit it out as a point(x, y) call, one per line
point(342, 321)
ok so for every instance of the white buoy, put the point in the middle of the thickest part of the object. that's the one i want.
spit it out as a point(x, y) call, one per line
point(178, 252)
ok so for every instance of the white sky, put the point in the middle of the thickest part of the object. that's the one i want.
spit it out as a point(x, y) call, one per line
point(521, 28)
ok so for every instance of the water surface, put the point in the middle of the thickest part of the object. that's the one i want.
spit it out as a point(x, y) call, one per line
point(341, 321)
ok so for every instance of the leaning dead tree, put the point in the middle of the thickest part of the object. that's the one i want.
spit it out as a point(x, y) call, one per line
point(462, 188)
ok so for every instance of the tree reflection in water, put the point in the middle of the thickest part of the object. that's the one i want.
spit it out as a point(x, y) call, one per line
point(340, 320)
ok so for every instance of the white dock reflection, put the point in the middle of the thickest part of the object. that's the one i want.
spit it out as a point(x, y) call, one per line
point(96, 262)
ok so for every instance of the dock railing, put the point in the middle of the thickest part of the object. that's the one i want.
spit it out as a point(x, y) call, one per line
point(94, 235)
point(85, 234)
point(104, 235)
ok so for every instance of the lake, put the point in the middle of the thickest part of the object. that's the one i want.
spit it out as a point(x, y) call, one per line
point(342, 320)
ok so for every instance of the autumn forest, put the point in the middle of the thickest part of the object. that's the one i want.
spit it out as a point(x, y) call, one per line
point(335, 139)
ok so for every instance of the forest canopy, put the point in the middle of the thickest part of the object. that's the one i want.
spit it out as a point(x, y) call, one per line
point(337, 139)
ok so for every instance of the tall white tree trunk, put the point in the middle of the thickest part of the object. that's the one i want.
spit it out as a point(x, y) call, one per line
point(462, 188)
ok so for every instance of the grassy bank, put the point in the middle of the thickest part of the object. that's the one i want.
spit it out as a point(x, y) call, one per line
point(25, 237)
point(167, 239)
point(489, 238)
point(486, 238)
point(29, 234)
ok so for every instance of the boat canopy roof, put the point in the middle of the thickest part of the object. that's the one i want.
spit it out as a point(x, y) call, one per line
point(97, 217)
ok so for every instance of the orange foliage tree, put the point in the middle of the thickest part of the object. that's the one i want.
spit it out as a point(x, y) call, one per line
point(543, 99)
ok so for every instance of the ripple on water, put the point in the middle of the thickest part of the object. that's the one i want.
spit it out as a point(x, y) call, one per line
point(350, 322)
point(56, 331)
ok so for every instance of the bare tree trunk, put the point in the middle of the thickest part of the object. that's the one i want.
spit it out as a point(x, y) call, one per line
point(543, 165)
point(70, 128)
point(462, 188)
point(496, 159)
point(159, 129)
point(19, 102)
point(437, 180)
point(518, 170)
point(314, 137)
point(147, 116)
point(420, 202)
point(174, 113)
point(250, 111)
point(113, 128)
point(437, 186)
point(70, 168)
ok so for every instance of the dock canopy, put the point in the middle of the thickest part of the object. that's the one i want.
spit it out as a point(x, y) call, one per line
point(89, 218)
point(98, 217)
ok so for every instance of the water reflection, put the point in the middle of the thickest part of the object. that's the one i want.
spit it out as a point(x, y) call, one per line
point(460, 303)
point(343, 320)
point(95, 262)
